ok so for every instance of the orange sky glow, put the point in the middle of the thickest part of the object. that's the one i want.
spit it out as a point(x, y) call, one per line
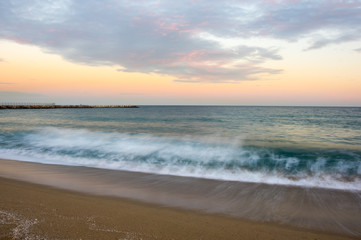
point(280, 72)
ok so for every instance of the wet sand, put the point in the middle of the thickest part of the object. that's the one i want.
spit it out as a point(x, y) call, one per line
point(48, 212)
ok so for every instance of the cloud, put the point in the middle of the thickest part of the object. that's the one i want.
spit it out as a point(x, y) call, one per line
point(323, 41)
point(358, 50)
point(9, 96)
point(7, 83)
point(164, 37)
point(5, 94)
point(324, 22)
point(129, 94)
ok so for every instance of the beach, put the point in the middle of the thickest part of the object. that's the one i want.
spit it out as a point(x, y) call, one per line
point(35, 205)
point(180, 172)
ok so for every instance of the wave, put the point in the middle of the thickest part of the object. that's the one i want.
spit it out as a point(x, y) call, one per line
point(200, 157)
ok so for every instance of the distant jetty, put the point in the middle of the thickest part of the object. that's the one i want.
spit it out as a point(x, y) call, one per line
point(53, 106)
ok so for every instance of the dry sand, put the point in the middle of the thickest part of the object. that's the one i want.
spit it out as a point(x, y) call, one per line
point(32, 211)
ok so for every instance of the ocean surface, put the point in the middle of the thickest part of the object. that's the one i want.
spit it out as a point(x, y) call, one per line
point(298, 166)
point(302, 146)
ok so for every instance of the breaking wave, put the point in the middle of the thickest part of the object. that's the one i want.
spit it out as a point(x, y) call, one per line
point(200, 157)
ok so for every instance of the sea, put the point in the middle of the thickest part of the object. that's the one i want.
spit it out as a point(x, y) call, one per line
point(232, 159)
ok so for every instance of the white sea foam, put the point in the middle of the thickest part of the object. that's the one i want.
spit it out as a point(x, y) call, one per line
point(212, 158)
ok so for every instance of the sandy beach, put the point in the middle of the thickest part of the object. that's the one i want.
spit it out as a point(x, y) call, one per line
point(35, 211)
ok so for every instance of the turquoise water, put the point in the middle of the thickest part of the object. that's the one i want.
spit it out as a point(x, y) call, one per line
point(304, 146)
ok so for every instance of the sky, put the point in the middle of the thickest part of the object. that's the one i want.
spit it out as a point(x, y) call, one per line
point(189, 52)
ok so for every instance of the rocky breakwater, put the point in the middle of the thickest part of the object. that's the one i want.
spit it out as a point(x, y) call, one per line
point(53, 106)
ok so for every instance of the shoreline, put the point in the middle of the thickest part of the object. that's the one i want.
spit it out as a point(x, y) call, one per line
point(88, 198)
point(41, 212)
